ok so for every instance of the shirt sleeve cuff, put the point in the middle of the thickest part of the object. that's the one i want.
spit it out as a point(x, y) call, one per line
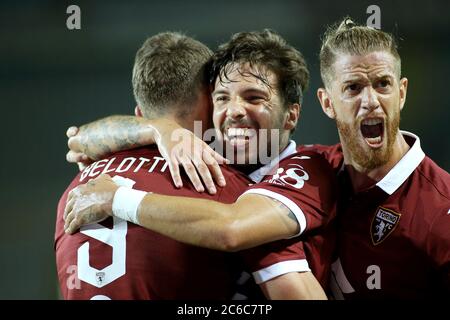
point(279, 269)
point(291, 205)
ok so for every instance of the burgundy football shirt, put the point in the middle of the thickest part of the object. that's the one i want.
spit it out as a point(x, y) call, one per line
point(394, 238)
point(306, 184)
point(120, 260)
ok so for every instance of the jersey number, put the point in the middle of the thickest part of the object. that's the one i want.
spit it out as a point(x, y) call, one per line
point(116, 238)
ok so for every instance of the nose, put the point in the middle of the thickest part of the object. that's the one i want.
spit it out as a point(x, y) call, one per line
point(369, 99)
point(236, 110)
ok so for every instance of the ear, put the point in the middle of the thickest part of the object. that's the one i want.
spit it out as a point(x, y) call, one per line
point(138, 112)
point(325, 102)
point(292, 117)
point(403, 89)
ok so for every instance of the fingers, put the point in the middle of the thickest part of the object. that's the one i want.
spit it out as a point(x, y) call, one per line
point(68, 219)
point(203, 170)
point(192, 173)
point(214, 169)
point(174, 169)
point(68, 208)
point(72, 131)
point(220, 159)
point(71, 224)
point(76, 157)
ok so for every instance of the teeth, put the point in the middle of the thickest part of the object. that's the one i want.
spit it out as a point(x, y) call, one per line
point(240, 132)
point(371, 122)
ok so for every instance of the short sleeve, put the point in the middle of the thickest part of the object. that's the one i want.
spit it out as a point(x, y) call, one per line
point(274, 259)
point(306, 184)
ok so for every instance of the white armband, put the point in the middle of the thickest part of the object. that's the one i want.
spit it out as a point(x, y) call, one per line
point(126, 203)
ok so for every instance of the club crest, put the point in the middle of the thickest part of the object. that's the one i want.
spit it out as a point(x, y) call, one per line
point(100, 277)
point(383, 223)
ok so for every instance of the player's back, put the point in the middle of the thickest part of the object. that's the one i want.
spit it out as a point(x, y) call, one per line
point(119, 260)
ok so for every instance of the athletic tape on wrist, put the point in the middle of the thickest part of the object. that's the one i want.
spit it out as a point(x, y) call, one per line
point(126, 203)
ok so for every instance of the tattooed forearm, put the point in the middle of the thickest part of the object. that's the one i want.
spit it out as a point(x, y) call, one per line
point(288, 211)
point(115, 133)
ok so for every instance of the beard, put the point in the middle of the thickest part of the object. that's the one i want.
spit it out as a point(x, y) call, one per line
point(366, 157)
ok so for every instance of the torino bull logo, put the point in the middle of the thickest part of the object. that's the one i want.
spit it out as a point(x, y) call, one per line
point(383, 223)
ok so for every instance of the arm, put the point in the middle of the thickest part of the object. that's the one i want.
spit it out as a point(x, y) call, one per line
point(293, 286)
point(251, 221)
point(177, 145)
point(111, 134)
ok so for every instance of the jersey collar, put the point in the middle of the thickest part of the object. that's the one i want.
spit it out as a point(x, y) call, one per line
point(257, 175)
point(403, 169)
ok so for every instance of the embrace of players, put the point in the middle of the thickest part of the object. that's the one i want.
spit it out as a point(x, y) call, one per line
point(367, 218)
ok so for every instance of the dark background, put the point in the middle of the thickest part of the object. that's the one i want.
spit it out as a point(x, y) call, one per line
point(51, 78)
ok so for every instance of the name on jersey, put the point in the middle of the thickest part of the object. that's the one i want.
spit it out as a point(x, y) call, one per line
point(112, 165)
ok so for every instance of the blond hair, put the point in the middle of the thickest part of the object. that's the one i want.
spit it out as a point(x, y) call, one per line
point(349, 38)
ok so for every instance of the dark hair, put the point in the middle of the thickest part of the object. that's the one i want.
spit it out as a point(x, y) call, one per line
point(168, 72)
point(347, 37)
point(264, 50)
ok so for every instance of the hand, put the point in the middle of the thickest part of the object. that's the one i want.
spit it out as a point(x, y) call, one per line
point(181, 147)
point(75, 155)
point(89, 203)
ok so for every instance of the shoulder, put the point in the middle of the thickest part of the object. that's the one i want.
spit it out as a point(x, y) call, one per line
point(331, 153)
point(427, 194)
point(433, 179)
point(312, 163)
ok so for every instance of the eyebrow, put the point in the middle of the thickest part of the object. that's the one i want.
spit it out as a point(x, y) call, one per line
point(245, 91)
point(364, 79)
point(355, 79)
point(254, 90)
point(220, 91)
point(384, 76)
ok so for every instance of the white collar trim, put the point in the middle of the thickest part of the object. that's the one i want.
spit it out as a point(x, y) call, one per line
point(403, 169)
point(260, 173)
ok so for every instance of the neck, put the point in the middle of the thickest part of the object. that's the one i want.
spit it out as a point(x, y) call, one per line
point(362, 177)
point(284, 142)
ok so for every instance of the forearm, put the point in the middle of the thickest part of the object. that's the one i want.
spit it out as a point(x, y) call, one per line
point(111, 134)
point(193, 221)
point(210, 224)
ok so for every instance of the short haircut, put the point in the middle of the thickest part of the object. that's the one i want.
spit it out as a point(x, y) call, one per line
point(168, 72)
point(347, 37)
point(264, 50)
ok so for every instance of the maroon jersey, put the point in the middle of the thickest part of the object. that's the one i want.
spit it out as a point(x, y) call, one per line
point(394, 238)
point(120, 260)
point(306, 184)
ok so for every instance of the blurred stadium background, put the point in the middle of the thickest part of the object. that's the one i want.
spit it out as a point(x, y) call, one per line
point(51, 78)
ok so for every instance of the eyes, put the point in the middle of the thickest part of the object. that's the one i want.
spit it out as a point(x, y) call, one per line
point(221, 98)
point(383, 83)
point(253, 99)
point(354, 88)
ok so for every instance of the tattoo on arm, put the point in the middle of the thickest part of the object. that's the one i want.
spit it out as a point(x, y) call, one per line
point(111, 134)
point(289, 212)
point(292, 215)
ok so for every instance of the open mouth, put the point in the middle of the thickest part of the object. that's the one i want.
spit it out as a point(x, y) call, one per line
point(239, 137)
point(373, 131)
